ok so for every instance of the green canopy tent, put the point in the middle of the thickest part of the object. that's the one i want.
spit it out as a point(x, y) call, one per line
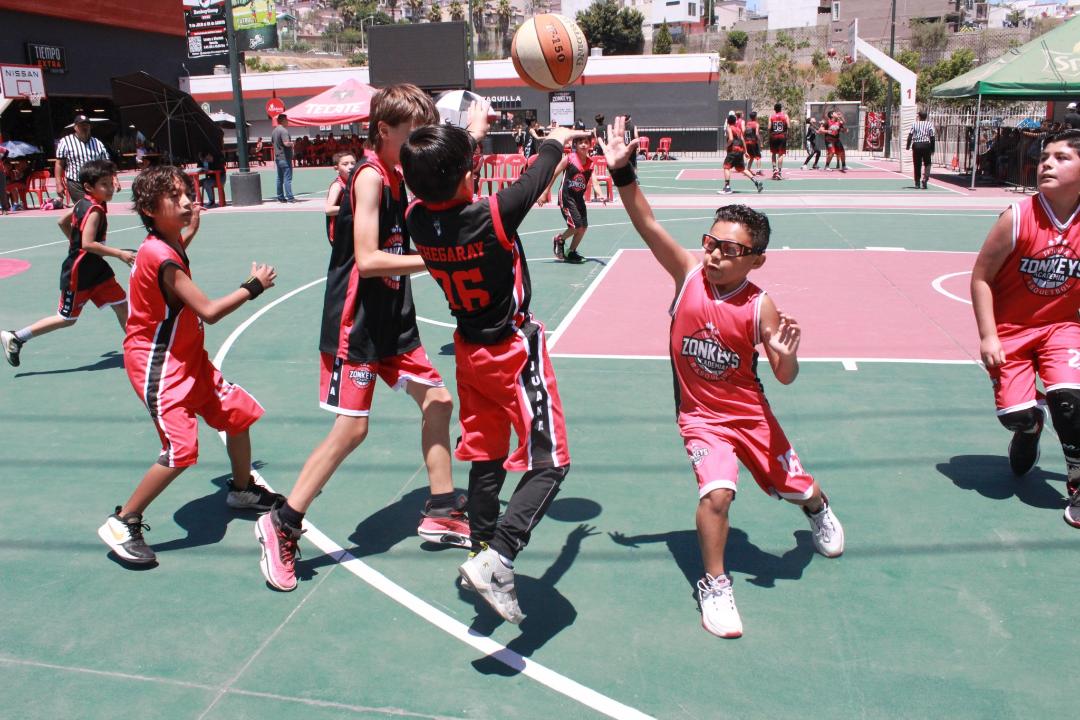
point(1046, 68)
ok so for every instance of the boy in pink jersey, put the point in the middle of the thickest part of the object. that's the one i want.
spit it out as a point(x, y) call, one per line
point(167, 364)
point(1025, 290)
point(718, 320)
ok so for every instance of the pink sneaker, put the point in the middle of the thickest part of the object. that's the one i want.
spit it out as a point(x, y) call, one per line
point(279, 551)
point(446, 526)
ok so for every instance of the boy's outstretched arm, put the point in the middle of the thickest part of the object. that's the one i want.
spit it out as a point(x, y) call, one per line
point(517, 199)
point(780, 334)
point(89, 244)
point(181, 288)
point(370, 260)
point(996, 247)
point(677, 260)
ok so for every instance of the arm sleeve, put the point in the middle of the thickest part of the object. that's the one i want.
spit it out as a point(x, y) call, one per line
point(516, 200)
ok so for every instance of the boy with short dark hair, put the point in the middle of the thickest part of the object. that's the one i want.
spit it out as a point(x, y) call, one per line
point(718, 319)
point(167, 364)
point(752, 136)
point(84, 274)
point(369, 332)
point(344, 162)
point(577, 169)
point(1026, 297)
point(505, 379)
point(779, 124)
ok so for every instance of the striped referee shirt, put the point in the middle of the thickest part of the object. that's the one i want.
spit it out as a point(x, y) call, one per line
point(75, 153)
point(922, 131)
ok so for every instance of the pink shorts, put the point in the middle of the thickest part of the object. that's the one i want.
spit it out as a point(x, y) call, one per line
point(104, 293)
point(224, 407)
point(346, 388)
point(1051, 351)
point(759, 444)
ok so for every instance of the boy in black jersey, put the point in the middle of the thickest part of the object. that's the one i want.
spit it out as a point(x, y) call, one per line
point(577, 169)
point(369, 332)
point(84, 275)
point(505, 379)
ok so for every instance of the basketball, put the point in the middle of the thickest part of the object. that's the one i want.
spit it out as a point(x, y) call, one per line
point(549, 52)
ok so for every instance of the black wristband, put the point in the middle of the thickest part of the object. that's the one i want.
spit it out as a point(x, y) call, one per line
point(623, 176)
point(253, 286)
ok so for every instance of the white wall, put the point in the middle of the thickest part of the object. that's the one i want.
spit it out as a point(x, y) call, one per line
point(789, 13)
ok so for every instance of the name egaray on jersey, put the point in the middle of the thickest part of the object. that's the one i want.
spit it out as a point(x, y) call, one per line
point(452, 254)
point(1053, 274)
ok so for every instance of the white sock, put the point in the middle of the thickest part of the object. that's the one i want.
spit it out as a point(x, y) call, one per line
point(23, 335)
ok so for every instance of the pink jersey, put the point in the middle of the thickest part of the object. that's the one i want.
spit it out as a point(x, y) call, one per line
point(713, 339)
point(163, 349)
point(1039, 282)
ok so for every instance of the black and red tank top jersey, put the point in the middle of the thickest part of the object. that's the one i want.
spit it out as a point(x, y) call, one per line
point(81, 269)
point(578, 175)
point(736, 144)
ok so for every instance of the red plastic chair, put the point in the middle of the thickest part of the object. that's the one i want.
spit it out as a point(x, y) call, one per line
point(35, 185)
point(663, 150)
point(644, 146)
point(491, 173)
point(603, 176)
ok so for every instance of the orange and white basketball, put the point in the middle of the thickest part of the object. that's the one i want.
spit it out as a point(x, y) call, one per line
point(549, 51)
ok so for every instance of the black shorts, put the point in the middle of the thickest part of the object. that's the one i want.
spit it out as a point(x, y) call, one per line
point(734, 160)
point(753, 150)
point(778, 146)
point(574, 212)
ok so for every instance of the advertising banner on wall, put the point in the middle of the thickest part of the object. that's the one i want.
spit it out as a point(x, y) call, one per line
point(561, 105)
point(874, 134)
point(255, 22)
point(204, 21)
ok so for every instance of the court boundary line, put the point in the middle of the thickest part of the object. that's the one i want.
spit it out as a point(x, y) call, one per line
point(453, 627)
point(937, 285)
point(570, 316)
point(841, 360)
point(60, 242)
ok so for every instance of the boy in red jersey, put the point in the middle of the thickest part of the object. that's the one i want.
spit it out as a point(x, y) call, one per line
point(577, 169)
point(752, 137)
point(1025, 290)
point(344, 162)
point(167, 364)
point(84, 275)
point(735, 159)
point(505, 379)
point(778, 131)
point(369, 332)
point(718, 320)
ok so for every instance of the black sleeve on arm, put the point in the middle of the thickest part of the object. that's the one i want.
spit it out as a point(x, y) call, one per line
point(517, 199)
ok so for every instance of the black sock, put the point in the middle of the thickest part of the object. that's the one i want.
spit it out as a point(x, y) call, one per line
point(441, 500)
point(234, 486)
point(290, 517)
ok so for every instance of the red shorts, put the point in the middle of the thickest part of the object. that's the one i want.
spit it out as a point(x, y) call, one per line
point(759, 444)
point(1051, 351)
point(510, 385)
point(224, 407)
point(104, 293)
point(346, 388)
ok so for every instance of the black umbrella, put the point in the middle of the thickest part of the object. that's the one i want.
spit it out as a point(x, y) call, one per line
point(167, 116)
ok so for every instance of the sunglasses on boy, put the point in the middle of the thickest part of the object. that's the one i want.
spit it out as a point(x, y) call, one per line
point(728, 248)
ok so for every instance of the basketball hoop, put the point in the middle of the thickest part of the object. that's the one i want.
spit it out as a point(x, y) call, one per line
point(35, 99)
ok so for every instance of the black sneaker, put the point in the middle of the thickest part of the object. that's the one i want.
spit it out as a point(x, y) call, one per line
point(124, 536)
point(759, 185)
point(254, 497)
point(1072, 505)
point(12, 345)
point(575, 257)
point(1024, 449)
point(558, 247)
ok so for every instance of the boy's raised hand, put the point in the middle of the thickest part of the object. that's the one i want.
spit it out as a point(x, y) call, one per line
point(616, 151)
point(565, 135)
point(265, 274)
point(785, 340)
point(478, 119)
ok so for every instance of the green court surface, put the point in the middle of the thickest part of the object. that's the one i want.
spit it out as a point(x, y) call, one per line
point(951, 600)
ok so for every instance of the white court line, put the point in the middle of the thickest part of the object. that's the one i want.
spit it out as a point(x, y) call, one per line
point(569, 318)
point(937, 285)
point(885, 248)
point(526, 666)
point(59, 242)
point(850, 365)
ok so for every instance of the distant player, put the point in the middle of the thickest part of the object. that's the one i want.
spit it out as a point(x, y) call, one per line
point(718, 321)
point(504, 376)
point(779, 124)
point(1026, 295)
point(344, 162)
point(369, 333)
point(734, 160)
point(577, 169)
point(167, 364)
point(810, 143)
point(752, 137)
point(84, 274)
point(834, 129)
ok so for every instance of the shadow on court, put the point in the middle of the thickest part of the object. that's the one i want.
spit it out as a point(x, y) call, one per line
point(991, 477)
point(207, 518)
point(108, 361)
point(740, 556)
point(547, 611)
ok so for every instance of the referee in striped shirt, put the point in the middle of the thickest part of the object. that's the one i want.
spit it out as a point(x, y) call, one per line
point(72, 152)
point(921, 143)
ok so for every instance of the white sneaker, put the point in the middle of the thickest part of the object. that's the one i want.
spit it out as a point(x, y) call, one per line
point(718, 612)
point(486, 574)
point(827, 531)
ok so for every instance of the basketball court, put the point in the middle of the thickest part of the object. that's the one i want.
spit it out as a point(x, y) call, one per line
point(953, 598)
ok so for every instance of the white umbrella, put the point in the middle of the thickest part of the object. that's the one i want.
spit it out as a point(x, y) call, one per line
point(17, 148)
point(453, 107)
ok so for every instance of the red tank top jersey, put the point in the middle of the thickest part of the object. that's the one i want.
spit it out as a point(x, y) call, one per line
point(338, 182)
point(750, 134)
point(736, 144)
point(82, 270)
point(778, 126)
point(578, 175)
point(713, 356)
point(163, 345)
point(1039, 282)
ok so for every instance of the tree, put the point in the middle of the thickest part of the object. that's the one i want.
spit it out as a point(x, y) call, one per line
point(434, 13)
point(661, 42)
point(392, 4)
point(774, 76)
point(957, 64)
point(416, 9)
point(617, 30)
point(504, 12)
point(457, 11)
point(929, 39)
point(861, 81)
point(478, 17)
